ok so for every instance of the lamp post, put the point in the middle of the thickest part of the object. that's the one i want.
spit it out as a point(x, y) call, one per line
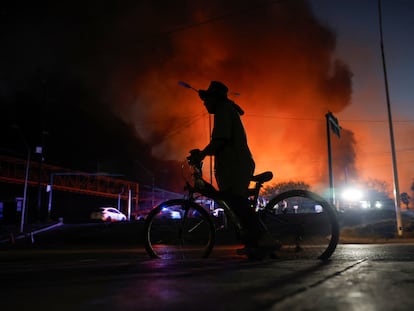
point(40, 152)
point(26, 178)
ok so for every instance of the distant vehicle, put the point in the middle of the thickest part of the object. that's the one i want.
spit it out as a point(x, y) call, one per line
point(140, 217)
point(168, 213)
point(108, 214)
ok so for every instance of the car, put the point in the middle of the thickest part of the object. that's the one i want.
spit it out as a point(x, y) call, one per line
point(139, 217)
point(169, 213)
point(108, 214)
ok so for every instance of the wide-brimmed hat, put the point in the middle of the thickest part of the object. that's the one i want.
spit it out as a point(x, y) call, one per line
point(215, 89)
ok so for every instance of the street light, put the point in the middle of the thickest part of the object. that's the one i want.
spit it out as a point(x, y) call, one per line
point(26, 178)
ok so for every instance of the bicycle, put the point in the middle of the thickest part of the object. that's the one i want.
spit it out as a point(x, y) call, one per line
point(303, 222)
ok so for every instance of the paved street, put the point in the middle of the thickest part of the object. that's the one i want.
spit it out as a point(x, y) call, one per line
point(359, 277)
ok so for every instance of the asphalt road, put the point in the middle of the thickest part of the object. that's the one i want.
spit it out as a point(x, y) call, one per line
point(359, 277)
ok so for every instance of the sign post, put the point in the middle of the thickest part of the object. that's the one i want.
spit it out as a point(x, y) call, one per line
point(331, 124)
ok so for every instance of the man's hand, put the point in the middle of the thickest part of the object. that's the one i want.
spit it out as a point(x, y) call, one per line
point(195, 157)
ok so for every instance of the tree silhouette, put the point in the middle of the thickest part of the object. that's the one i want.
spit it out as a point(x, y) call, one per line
point(405, 198)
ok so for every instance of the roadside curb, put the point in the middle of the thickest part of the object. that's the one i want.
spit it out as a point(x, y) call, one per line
point(361, 240)
point(13, 237)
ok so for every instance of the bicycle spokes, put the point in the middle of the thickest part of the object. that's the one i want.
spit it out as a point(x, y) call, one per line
point(179, 229)
point(304, 223)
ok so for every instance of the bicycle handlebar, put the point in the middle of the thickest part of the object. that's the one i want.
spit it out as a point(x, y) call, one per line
point(200, 185)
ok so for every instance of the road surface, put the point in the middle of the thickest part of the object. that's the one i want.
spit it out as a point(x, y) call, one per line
point(359, 277)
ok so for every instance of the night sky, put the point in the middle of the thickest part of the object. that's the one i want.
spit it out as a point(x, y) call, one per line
point(102, 79)
point(356, 24)
point(57, 60)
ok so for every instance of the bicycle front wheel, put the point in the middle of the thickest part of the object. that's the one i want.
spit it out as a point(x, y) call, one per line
point(305, 224)
point(179, 229)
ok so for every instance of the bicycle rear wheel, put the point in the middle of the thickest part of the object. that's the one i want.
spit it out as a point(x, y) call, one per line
point(304, 223)
point(179, 229)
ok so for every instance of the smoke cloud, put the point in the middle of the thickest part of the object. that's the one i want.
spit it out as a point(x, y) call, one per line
point(127, 58)
point(276, 54)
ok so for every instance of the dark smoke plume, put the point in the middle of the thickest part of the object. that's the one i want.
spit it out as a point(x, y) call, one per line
point(126, 59)
point(275, 53)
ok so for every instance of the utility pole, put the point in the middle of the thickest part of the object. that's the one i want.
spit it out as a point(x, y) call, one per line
point(211, 157)
point(394, 157)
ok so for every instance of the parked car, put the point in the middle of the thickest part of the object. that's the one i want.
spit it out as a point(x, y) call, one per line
point(108, 214)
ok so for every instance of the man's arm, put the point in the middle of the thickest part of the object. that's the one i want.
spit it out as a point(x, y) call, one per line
point(213, 147)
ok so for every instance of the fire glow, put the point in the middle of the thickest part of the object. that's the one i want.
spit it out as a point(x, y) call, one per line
point(278, 57)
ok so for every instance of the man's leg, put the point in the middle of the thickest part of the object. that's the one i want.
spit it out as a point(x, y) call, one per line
point(249, 219)
point(258, 241)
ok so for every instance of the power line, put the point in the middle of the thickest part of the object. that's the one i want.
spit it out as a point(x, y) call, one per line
point(223, 16)
point(377, 121)
point(282, 117)
point(321, 119)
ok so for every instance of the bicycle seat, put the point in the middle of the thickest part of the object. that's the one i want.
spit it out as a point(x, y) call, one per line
point(262, 177)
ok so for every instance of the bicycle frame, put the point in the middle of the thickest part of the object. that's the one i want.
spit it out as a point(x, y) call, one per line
point(286, 226)
point(305, 232)
point(208, 190)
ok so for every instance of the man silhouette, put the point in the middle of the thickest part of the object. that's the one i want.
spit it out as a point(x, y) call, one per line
point(233, 162)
